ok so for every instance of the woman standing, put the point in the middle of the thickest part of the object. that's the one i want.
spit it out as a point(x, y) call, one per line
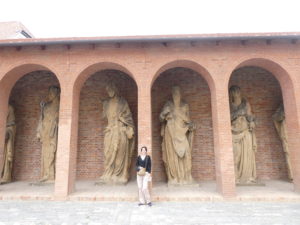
point(143, 168)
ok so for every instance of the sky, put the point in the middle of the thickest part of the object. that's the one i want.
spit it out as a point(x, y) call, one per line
point(90, 18)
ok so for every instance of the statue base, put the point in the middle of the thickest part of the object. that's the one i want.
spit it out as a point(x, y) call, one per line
point(46, 183)
point(192, 185)
point(5, 182)
point(102, 183)
point(258, 183)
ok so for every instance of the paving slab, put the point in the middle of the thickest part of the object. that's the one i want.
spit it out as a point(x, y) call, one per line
point(164, 213)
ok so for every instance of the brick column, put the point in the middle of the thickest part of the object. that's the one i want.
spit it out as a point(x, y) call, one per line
point(225, 176)
point(291, 99)
point(144, 116)
point(3, 116)
point(67, 143)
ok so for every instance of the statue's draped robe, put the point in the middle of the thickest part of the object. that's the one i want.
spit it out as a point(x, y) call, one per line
point(6, 172)
point(244, 143)
point(280, 125)
point(48, 129)
point(177, 143)
point(118, 140)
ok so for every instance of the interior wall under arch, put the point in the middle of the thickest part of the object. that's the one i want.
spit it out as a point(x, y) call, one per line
point(25, 97)
point(263, 92)
point(90, 156)
point(196, 93)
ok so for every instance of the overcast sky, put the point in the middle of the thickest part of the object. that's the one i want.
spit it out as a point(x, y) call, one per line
point(81, 18)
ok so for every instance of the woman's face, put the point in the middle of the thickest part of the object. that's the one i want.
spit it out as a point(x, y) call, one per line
point(143, 151)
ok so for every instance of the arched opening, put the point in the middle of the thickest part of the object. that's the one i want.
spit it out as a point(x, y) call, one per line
point(26, 87)
point(262, 87)
point(91, 131)
point(195, 91)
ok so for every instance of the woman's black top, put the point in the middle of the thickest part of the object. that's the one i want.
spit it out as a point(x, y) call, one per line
point(146, 163)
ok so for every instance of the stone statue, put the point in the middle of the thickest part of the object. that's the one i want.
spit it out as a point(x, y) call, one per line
point(177, 133)
point(243, 137)
point(119, 138)
point(47, 133)
point(6, 172)
point(279, 123)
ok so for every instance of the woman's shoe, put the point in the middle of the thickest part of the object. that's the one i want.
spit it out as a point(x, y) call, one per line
point(149, 204)
point(140, 204)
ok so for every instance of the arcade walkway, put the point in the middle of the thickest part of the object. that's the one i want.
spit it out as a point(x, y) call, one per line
point(274, 190)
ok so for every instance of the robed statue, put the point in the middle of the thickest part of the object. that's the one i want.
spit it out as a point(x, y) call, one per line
point(243, 137)
point(177, 139)
point(47, 133)
point(8, 156)
point(280, 125)
point(119, 138)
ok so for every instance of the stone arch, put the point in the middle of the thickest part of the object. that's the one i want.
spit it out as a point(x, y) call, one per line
point(197, 87)
point(287, 89)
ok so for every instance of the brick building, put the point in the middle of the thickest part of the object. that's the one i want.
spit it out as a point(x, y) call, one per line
point(265, 66)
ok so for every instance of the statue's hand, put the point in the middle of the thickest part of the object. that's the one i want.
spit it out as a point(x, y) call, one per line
point(102, 100)
point(42, 104)
point(6, 136)
point(255, 149)
point(251, 126)
point(192, 126)
point(168, 116)
point(9, 156)
point(129, 132)
point(38, 136)
point(106, 130)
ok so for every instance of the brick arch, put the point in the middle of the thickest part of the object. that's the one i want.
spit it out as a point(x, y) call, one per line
point(96, 67)
point(189, 65)
point(17, 71)
point(287, 85)
point(273, 67)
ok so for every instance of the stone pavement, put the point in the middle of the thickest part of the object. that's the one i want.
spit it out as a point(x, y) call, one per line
point(161, 213)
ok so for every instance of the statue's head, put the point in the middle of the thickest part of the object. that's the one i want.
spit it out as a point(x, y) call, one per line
point(234, 91)
point(112, 89)
point(176, 93)
point(53, 92)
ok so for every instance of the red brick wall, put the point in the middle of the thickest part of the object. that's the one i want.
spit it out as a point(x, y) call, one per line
point(264, 94)
point(196, 93)
point(25, 97)
point(90, 157)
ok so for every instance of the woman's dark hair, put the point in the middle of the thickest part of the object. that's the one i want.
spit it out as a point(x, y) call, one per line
point(144, 147)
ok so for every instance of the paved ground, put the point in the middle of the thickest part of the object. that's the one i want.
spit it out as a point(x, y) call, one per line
point(161, 213)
